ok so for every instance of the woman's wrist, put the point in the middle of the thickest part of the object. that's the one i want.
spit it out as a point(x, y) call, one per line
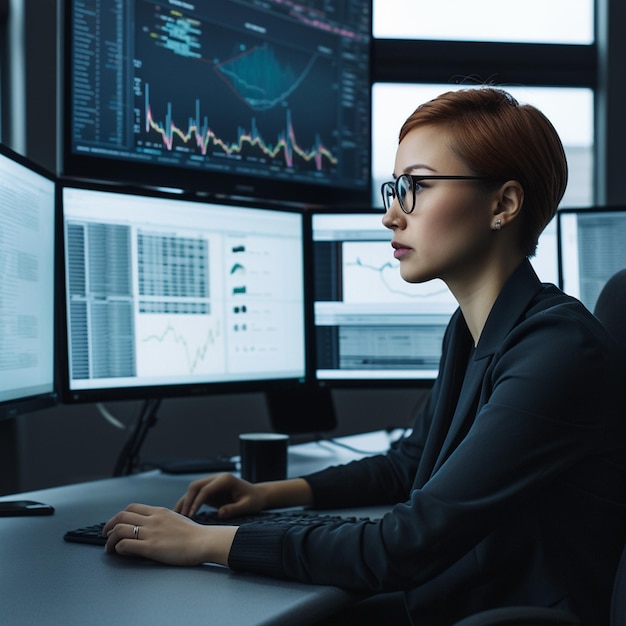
point(216, 546)
point(285, 493)
point(275, 494)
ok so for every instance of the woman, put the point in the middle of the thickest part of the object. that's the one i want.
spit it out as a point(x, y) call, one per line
point(511, 488)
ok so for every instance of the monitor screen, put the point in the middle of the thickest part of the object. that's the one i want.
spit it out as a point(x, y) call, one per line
point(27, 261)
point(371, 325)
point(166, 296)
point(239, 98)
point(591, 250)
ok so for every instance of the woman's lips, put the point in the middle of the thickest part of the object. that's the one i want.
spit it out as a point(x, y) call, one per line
point(399, 250)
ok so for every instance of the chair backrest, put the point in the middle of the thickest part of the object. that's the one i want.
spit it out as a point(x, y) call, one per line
point(610, 308)
point(520, 616)
point(618, 604)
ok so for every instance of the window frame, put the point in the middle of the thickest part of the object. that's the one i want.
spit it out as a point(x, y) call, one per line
point(556, 65)
point(598, 66)
point(4, 71)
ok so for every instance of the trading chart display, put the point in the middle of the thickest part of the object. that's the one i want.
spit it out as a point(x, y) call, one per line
point(246, 90)
point(177, 296)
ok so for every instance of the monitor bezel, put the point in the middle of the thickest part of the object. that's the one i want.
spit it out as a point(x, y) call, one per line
point(14, 407)
point(203, 183)
point(106, 394)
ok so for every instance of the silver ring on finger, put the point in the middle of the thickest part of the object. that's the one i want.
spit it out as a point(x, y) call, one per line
point(136, 532)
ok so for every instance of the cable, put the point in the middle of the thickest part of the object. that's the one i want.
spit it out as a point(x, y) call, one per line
point(109, 417)
point(346, 446)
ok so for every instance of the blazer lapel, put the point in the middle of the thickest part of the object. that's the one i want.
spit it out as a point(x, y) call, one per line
point(466, 373)
point(447, 390)
point(466, 409)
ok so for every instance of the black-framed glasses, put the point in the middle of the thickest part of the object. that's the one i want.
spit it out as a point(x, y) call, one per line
point(405, 188)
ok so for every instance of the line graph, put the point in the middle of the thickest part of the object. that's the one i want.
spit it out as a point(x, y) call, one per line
point(259, 79)
point(370, 274)
point(200, 135)
point(193, 344)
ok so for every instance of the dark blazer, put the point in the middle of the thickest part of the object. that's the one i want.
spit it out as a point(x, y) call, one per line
point(511, 488)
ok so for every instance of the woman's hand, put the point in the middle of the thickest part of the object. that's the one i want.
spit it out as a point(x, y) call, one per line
point(162, 535)
point(229, 495)
point(232, 496)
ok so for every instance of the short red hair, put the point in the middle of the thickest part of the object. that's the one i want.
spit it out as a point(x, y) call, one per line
point(498, 137)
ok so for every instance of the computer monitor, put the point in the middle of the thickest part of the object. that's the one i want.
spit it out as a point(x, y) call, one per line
point(168, 297)
point(370, 325)
point(27, 262)
point(591, 249)
point(239, 98)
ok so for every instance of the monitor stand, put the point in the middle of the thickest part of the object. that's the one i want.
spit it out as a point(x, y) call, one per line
point(208, 465)
point(9, 461)
point(303, 410)
point(129, 456)
point(128, 460)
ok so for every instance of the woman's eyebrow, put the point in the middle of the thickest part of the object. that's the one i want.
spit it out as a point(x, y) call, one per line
point(416, 166)
point(419, 166)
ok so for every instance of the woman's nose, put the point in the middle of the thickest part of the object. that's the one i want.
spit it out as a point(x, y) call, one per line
point(393, 215)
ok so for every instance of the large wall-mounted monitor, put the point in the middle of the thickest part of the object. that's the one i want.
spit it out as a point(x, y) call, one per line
point(168, 297)
point(592, 247)
point(237, 98)
point(27, 262)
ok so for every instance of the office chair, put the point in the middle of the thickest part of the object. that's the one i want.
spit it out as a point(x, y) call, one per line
point(610, 309)
point(520, 616)
point(541, 616)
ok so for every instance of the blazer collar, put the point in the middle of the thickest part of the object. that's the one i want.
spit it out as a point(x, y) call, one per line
point(521, 287)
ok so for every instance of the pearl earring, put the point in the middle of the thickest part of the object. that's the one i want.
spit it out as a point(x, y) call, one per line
point(497, 225)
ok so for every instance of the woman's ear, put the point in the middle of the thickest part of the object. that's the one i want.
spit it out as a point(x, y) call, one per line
point(510, 200)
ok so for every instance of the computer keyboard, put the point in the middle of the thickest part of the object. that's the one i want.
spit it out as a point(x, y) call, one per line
point(93, 534)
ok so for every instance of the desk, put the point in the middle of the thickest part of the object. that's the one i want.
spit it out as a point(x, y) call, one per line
point(45, 580)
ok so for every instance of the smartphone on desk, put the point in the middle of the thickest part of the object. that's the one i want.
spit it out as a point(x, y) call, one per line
point(12, 508)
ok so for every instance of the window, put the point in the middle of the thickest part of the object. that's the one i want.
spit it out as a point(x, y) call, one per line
point(531, 21)
point(541, 51)
point(569, 109)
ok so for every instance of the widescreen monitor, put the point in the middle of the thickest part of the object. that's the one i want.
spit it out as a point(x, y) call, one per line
point(236, 98)
point(370, 325)
point(27, 261)
point(169, 297)
point(592, 247)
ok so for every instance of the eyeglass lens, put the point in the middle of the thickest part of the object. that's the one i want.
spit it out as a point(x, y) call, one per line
point(389, 194)
point(402, 188)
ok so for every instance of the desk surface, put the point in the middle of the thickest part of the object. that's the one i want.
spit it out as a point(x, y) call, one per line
point(44, 579)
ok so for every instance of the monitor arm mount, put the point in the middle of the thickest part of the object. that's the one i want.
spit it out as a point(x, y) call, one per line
point(128, 458)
